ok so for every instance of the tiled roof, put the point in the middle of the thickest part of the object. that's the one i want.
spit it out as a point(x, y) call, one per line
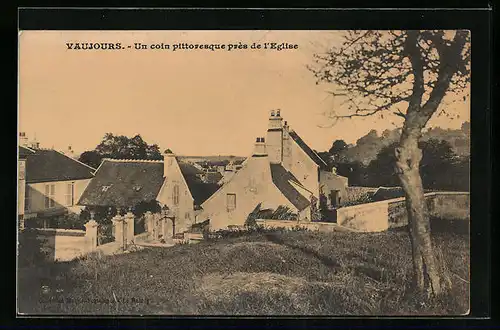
point(199, 190)
point(281, 178)
point(25, 152)
point(311, 153)
point(45, 165)
point(124, 183)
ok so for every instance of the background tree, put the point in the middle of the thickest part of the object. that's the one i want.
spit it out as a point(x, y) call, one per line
point(120, 146)
point(406, 73)
point(337, 147)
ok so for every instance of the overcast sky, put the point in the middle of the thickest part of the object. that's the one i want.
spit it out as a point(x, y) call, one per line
point(195, 102)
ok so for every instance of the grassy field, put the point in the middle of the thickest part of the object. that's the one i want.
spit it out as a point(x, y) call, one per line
point(286, 273)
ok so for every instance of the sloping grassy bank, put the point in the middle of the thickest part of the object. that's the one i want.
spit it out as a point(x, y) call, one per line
point(276, 273)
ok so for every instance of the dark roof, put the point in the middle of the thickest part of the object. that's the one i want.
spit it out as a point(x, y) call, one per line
point(45, 165)
point(281, 178)
point(200, 190)
point(129, 182)
point(25, 152)
point(384, 193)
point(311, 153)
point(213, 177)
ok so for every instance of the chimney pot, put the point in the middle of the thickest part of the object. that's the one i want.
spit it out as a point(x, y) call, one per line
point(262, 139)
point(257, 140)
point(272, 113)
point(278, 113)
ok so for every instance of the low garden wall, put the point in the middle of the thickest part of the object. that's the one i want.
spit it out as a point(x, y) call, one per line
point(48, 244)
point(391, 213)
point(292, 224)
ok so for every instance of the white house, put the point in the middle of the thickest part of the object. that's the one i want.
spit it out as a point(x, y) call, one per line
point(54, 182)
point(283, 170)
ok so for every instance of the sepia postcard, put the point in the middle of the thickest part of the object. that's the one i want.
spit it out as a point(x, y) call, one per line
point(244, 172)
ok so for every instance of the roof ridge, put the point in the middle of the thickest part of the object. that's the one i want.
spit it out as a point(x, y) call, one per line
point(125, 160)
point(75, 160)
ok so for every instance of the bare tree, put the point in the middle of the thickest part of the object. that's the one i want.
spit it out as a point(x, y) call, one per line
point(405, 73)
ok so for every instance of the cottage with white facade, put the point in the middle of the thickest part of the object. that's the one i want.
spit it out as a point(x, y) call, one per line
point(283, 171)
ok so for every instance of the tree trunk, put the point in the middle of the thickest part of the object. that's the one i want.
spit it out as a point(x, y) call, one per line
point(408, 155)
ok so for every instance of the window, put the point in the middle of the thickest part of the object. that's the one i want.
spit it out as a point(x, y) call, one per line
point(69, 194)
point(187, 216)
point(50, 193)
point(231, 202)
point(175, 195)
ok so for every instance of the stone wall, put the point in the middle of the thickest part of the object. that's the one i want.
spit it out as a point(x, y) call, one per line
point(370, 217)
point(48, 245)
point(391, 213)
point(292, 224)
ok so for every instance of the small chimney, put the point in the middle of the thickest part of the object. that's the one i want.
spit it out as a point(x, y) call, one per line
point(260, 147)
point(272, 113)
point(23, 139)
point(278, 113)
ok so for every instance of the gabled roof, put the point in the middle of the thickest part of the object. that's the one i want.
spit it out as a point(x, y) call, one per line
point(124, 183)
point(281, 179)
point(46, 165)
point(311, 153)
point(200, 190)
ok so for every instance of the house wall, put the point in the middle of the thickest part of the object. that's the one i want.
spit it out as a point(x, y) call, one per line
point(21, 187)
point(37, 196)
point(184, 209)
point(302, 167)
point(330, 181)
point(252, 185)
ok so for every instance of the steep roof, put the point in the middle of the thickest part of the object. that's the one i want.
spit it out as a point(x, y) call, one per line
point(45, 165)
point(24, 152)
point(281, 179)
point(124, 183)
point(311, 153)
point(200, 190)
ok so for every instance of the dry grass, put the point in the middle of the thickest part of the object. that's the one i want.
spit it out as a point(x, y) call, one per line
point(294, 273)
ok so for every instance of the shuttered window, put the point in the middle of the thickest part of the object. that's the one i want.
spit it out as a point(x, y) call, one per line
point(175, 196)
point(69, 194)
point(50, 194)
point(231, 202)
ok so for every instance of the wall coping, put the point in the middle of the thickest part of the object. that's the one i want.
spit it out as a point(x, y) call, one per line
point(59, 232)
point(400, 199)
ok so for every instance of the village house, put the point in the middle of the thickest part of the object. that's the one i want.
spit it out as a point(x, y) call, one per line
point(175, 185)
point(21, 183)
point(283, 171)
point(53, 181)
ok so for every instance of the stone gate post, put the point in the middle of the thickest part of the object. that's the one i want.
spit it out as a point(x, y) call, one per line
point(118, 223)
point(129, 220)
point(91, 235)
